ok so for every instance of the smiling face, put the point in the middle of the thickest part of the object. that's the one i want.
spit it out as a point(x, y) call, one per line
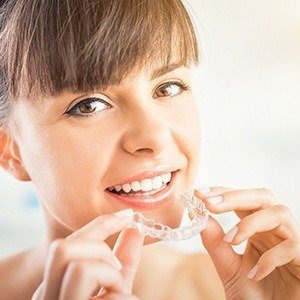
point(75, 150)
point(107, 106)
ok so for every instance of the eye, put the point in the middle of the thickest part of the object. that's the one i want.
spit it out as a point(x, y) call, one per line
point(172, 88)
point(87, 107)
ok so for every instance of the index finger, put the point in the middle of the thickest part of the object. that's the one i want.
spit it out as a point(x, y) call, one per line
point(243, 202)
point(105, 225)
point(128, 249)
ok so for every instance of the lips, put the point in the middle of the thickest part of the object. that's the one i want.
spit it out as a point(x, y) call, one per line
point(142, 201)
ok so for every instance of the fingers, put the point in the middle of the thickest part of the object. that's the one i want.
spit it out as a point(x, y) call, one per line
point(259, 212)
point(85, 243)
point(128, 249)
point(276, 218)
point(212, 191)
point(243, 202)
point(104, 226)
point(63, 251)
point(283, 253)
point(220, 252)
point(83, 277)
point(39, 292)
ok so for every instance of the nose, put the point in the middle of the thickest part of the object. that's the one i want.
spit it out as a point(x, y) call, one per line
point(147, 134)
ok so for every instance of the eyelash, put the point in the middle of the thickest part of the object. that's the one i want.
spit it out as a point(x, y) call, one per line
point(71, 112)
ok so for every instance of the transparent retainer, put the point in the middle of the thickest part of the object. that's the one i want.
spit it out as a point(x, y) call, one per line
point(197, 212)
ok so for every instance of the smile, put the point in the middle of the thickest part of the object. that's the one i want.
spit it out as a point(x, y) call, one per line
point(148, 193)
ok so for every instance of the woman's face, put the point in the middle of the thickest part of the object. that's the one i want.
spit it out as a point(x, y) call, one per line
point(139, 125)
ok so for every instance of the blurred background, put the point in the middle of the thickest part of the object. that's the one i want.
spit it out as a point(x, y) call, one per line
point(248, 92)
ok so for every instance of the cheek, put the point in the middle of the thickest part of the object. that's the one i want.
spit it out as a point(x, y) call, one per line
point(188, 129)
point(66, 165)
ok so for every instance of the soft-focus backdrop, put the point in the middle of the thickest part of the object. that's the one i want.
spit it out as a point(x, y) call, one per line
point(248, 91)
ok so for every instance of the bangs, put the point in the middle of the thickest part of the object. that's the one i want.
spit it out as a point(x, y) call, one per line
point(48, 47)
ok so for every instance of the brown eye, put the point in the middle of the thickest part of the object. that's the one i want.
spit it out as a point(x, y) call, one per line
point(87, 107)
point(171, 88)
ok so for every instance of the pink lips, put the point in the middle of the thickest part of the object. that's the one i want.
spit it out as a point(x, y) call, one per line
point(141, 201)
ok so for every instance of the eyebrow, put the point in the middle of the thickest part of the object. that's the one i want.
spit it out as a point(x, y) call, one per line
point(165, 69)
point(159, 72)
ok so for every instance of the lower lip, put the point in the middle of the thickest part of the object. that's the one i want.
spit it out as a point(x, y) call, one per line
point(141, 201)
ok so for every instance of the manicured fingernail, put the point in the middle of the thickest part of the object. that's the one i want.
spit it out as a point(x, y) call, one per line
point(214, 200)
point(253, 272)
point(118, 263)
point(229, 236)
point(204, 190)
point(123, 214)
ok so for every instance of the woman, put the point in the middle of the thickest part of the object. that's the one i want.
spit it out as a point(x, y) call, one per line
point(60, 60)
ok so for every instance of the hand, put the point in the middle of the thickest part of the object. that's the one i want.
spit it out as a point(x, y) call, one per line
point(82, 266)
point(272, 254)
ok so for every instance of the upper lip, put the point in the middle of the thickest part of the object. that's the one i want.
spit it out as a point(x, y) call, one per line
point(148, 174)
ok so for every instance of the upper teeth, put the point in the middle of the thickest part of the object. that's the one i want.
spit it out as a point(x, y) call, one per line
point(143, 185)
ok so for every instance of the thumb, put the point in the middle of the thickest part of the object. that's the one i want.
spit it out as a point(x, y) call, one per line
point(128, 250)
point(226, 260)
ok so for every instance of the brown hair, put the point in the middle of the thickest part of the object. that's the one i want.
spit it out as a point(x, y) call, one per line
point(48, 46)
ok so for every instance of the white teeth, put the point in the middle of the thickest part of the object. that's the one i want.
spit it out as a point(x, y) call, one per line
point(157, 182)
point(135, 186)
point(166, 177)
point(146, 185)
point(126, 187)
point(118, 188)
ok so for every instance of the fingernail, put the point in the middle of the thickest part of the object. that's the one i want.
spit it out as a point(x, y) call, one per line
point(118, 263)
point(204, 190)
point(253, 272)
point(229, 236)
point(214, 200)
point(123, 214)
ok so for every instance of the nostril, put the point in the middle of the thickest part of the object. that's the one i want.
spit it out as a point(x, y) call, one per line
point(145, 150)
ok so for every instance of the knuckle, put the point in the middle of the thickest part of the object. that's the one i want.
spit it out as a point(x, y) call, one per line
point(266, 259)
point(267, 193)
point(231, 194)
point(242, 227)
point(228, 194)
point(246, 228)
point(105, 225)
point(295, 244)
point(282, 209)
point(76, 268)
point(59, 248)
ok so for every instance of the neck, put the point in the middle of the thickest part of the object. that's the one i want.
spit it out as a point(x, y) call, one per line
point(54, 228)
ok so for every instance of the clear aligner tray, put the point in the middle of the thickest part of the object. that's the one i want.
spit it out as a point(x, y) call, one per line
point(198, 215)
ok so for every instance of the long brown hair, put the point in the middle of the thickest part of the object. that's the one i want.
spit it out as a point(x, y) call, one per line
point(48, 46)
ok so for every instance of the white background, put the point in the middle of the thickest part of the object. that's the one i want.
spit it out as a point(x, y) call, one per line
point(248, 91)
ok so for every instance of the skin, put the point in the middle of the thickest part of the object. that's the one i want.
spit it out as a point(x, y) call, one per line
point(139, 130)
point(273, 244)
point(72, 161)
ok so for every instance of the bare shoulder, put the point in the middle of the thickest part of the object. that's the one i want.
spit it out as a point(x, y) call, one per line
point(176, 275)
point(201, 270)
point(18, 276)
